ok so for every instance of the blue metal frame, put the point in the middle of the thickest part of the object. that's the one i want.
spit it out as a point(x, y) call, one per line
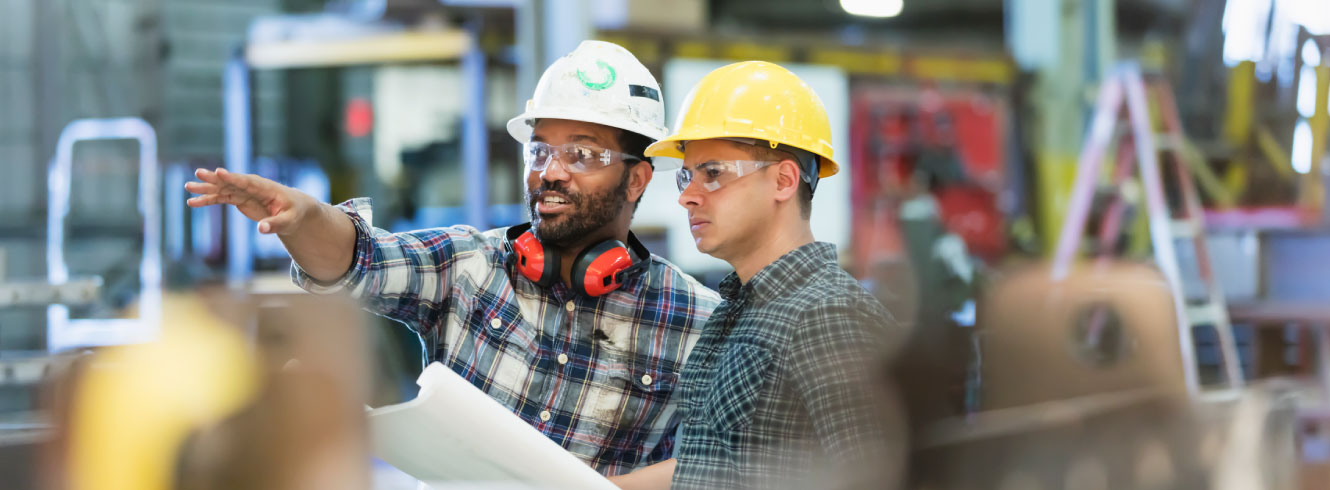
point(236, 86)
point(63, 332)
point(475, 135)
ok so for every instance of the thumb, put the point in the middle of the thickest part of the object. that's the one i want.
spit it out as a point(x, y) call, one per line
point(277, 223)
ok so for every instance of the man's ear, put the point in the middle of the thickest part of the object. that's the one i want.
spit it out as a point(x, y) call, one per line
point(639, 175)
point(787, 180)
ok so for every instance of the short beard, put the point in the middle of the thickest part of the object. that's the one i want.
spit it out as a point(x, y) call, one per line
point(591, 213)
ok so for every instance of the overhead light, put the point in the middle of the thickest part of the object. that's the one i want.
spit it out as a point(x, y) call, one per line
point(1306, 101)
point(1312, 15)
point(1311, 53)
point(873, 8)
point(1302, 147)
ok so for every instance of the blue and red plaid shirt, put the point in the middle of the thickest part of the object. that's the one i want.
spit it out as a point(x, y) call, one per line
point(594, 374)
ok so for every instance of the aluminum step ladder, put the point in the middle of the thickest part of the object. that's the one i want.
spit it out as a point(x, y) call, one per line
point(1127, 86)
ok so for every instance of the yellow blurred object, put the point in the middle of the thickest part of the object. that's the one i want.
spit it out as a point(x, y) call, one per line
point(1056, 173)
point(1239, 120)
point(1313, 192)
point(1275, 154)
point(753, 99)
point(1241, 96)
point(136, 405)
point(406, 47)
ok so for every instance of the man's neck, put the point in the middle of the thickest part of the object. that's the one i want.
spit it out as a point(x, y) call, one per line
point(780, 242)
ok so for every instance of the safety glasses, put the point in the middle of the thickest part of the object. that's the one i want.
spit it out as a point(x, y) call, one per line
point(715, 174)
point(576, 157)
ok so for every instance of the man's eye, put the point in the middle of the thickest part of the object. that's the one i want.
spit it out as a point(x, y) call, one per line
point(712, 173)
point(584, 154)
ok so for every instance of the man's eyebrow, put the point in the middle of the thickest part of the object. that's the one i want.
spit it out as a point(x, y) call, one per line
point(700, 165)
point(584, 137)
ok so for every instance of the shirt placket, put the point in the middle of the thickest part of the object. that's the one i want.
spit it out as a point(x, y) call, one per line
point(568, 373)
point(542, 390)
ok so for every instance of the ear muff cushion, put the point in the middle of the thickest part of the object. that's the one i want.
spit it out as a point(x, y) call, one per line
point(596, 270)
point(535, 262)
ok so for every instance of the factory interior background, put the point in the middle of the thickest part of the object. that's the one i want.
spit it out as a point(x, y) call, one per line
point(1073, 203)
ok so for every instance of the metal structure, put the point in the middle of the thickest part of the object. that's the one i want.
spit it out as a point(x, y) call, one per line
point(64, 332)
point(398, 47)
point(1127, 86)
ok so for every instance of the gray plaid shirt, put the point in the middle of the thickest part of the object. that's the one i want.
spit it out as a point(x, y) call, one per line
point(781, 389)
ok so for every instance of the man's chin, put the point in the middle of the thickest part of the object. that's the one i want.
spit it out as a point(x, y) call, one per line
point(550, 233)
point(705, 246)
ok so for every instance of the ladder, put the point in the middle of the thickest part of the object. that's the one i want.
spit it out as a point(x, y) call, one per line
point(1126, 86)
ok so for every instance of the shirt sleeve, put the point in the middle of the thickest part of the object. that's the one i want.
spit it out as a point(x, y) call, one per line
point(840, 361)
point(403, 276)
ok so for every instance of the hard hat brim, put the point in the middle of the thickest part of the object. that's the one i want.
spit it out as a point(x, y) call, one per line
point(520, 127)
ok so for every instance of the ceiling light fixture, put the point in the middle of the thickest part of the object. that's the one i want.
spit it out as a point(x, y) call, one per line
point(873, 8)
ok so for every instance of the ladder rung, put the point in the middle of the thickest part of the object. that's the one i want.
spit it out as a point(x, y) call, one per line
point(1220, 395)
point(1185, 228)
point(1206, 314)
point(1164, 142)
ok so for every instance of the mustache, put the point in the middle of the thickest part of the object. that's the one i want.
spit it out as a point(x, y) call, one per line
point(533, 195)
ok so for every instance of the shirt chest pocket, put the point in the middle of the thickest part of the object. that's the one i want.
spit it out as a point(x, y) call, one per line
point(736, 388)
point(493, 321)
point(503, 328)
point(495, 350)
point(630, 400)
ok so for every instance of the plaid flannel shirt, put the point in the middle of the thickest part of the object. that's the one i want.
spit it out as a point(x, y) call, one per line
point(782, 390)
point(595, 375)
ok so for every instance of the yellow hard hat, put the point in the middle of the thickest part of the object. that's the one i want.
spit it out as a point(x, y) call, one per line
point(753, 99)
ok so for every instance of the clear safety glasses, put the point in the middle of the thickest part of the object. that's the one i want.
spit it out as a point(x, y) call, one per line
point(576, 157)
point(715, 174)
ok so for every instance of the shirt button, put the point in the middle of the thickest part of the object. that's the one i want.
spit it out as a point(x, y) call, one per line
point(569, 306)
point(646, 379)
point(545, 416)
point(496, 323)
point(563, 358)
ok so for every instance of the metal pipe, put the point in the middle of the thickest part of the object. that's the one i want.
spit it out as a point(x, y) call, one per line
point(236, 109)
point(475, 134)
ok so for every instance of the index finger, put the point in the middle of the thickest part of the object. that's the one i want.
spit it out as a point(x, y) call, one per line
point(208, 176)
point(249, 183)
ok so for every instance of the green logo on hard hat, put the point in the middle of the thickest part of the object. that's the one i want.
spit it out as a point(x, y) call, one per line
point(606, 81)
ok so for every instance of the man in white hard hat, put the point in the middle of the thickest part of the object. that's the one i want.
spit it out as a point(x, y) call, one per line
point(568, 320)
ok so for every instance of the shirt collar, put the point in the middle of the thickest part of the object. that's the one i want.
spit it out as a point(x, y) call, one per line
point(787, 273)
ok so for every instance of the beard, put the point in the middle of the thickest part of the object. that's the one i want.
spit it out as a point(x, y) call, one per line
point(591, 212)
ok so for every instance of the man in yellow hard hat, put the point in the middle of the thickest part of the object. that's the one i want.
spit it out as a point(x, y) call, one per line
point(784, 388)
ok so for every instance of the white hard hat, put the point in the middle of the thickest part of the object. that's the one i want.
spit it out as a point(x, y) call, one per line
point(599, 82)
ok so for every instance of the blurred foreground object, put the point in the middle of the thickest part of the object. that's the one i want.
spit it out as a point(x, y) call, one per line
point(1083, 388)
point(202, 408)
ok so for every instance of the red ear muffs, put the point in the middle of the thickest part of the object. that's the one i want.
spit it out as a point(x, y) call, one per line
point(600, 269)
point(533, 260)
point(597, 271)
